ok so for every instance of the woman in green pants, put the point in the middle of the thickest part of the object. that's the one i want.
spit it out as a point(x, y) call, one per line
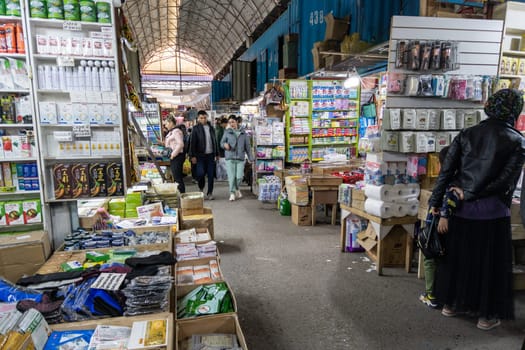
point(236, 144)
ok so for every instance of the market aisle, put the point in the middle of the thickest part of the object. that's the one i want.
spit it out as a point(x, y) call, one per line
point(295, 290)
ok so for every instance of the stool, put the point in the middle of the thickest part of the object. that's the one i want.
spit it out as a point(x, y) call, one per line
point(324, 195)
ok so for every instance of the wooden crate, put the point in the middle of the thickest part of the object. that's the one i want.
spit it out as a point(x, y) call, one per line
point(325, 180)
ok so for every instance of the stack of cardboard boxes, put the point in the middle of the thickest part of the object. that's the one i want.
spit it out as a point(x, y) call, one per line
point(336, 29)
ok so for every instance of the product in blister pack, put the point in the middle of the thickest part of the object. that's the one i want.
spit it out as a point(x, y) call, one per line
point(435, 58)
point(109, 337)
point(426, 53)
point(425, 85)
point(401, 53)
point(414, 55)
point(396, 83)
point(412, 85)
point(438, 85)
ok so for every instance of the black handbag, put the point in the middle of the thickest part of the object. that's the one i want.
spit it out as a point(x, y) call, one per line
point(429, 240)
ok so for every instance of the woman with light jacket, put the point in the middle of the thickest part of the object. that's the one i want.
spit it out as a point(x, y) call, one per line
point(236, 144)
point(175, 140)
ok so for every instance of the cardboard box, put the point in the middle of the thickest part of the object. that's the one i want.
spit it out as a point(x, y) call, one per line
point(301, 216)
point(62, 181)
point(204, 220)
point(97, 179)
point(336, 28)
point(288, 73)
point(125, 322)
point(181, 291)
point(227, 324)
point(23, 253)
point(114, 182)
point(192, 203)
point(80, 176)
point(326, 180)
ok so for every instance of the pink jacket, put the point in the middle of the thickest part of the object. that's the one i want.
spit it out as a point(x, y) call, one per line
point(175, 141)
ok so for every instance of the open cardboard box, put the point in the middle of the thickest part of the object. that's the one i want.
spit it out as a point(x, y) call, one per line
point(181, 291)
point(122, 321)
point(167, 246)
point(23, 253)
point(197, 262)
point(224, 323)
point(204, 220)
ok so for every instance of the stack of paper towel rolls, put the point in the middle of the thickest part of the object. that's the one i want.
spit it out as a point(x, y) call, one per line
point(388, 201)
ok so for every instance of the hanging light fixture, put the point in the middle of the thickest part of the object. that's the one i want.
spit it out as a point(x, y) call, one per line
point(353, 79)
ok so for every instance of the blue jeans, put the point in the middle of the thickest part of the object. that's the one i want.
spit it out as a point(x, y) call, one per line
point(205, 166)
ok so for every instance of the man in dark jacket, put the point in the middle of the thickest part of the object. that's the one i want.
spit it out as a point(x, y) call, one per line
point(203, 152)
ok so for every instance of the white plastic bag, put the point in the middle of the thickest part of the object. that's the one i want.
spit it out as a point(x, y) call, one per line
point(222, 175)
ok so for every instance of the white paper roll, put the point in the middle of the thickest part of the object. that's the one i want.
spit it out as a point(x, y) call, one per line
point(411, 208)
point(398, 191)
point(412, 189)
point(382, 192)
point(378, 208)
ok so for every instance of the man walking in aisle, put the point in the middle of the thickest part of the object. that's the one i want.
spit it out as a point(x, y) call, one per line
point(204, 151)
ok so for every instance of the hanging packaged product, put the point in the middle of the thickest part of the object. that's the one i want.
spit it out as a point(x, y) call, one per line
point(71, 10)
point(38, 9)
point(55, 9)
point(103, 12)
point(20, 43)
point(2, 8)
point(13, 8)
point(88, 11)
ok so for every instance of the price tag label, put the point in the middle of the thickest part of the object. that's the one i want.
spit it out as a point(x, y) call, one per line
point(77, 97)
point(83, 130)
point(72, 25)
point(65, 61)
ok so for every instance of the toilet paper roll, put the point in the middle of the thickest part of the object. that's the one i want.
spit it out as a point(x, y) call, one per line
point(412, 189)
point(378, 208)
point(382, 192)
point(398, 191)
point(399, 210)
point(411, 208)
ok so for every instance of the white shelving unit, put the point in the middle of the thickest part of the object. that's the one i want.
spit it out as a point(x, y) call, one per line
point(20, 173)
point(78, 114)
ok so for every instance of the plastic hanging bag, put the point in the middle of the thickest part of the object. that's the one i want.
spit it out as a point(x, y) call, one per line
point(222, 175)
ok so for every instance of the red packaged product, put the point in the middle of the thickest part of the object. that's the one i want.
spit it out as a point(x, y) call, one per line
point(10, 37)
point(3, 44)
point(20, 44)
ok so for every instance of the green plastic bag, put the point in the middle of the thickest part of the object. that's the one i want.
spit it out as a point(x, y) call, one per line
point(285, 209)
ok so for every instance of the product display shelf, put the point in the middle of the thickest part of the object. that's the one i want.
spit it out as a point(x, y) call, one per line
point(512, 56)
point(77, 103)
point(298, 122)
point(335, 119)
point(20, 175)
point(269, 150)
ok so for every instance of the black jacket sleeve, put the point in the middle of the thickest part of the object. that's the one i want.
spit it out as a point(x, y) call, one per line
point(448, 170)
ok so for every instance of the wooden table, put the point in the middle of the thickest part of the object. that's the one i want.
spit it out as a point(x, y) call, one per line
point(326, 195)
point(382, 228)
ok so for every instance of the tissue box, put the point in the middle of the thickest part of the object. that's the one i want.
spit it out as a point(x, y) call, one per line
point(406, 142)
point(448, 119)
point(434, 120)
point(409, 119)
point(390, 141)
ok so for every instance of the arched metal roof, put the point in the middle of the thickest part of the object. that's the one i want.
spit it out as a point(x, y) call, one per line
point(209, 32)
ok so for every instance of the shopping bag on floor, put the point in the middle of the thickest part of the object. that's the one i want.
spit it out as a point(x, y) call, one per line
point(221, 169)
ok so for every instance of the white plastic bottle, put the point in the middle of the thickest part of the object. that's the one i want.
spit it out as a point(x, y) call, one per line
point(95, 76)
point(89, 79)
point(41, 77)
point(62, 78)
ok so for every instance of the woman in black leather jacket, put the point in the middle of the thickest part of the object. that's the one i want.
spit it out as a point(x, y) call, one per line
point(484, 162)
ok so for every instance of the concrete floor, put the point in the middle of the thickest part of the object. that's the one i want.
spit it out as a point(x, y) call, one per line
point(296, 290)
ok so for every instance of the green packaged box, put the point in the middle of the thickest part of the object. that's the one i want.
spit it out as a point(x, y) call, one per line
point(38, 8)
point(71, 266)
point(103, 12)
point(133, 200)
point(88, 11)
point(14, 213)
point(32, 211)
point(55, 9)
point(71, 10)
point(97, 257)
point(12, 8)
point(131, 213)
point(3, 219)
point(117, 204)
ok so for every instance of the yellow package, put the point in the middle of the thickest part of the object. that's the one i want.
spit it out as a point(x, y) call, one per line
point(155, 333)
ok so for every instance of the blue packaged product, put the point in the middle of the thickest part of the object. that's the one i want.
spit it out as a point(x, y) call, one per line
point(27, 170)
point(35, 186)
point(33, 169)
point(27, 184)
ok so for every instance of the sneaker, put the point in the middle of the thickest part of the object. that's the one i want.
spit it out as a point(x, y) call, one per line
point(232, 197)
point(448, 311)
point(210, 197)
point(486, 325)
point(238, 194)
point(429, 300)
